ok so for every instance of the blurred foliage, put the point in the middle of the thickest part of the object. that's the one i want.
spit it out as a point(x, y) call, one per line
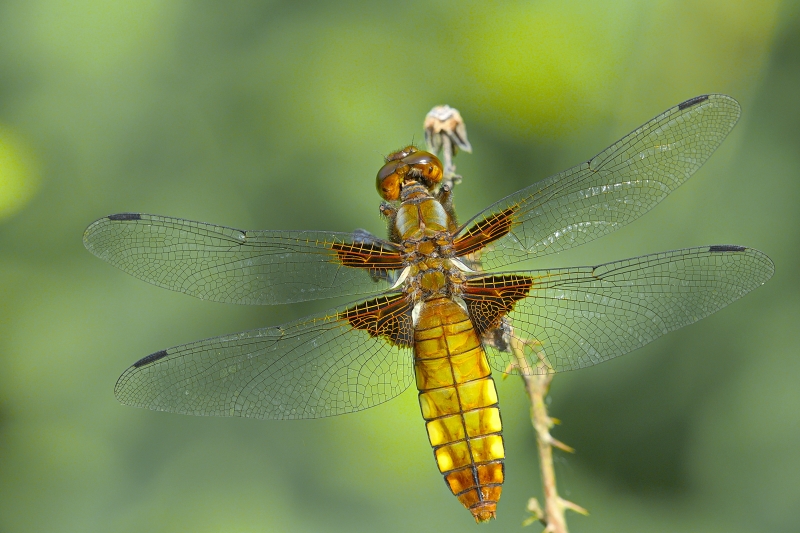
point(18, 179)
point(274, 115)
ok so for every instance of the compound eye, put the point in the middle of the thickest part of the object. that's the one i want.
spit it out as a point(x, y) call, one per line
point(427, 164)
point(390, 180)
point(400, 154)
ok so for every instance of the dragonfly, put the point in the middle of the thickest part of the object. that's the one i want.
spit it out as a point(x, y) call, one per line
point(433, 308)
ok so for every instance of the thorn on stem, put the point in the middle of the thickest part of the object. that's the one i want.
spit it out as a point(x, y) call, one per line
point(561, 446)
point(574, 507)
point(537, 515)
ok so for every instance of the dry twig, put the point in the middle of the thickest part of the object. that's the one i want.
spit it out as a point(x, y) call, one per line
point(537, 386)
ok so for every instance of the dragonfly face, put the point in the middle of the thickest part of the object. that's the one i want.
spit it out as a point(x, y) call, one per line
point(406, 165)
point(436, 313)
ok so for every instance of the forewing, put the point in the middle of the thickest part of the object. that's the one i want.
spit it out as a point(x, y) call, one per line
point(620, 184)
point(578, 317)
point(346, 360)
point(244, 267)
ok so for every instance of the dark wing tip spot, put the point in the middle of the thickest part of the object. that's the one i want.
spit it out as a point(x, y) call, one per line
point(726, 248)
point(150, 358)
point(125, 216)
point(692, 101)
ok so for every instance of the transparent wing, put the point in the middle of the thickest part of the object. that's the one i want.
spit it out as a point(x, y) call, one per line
point(578, 317)
point(315, 367)
point(620, 184)
point(244, 267)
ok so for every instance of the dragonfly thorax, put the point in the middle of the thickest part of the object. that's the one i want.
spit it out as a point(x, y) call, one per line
point(433, 278)
point(424, 229)
point(420, 215)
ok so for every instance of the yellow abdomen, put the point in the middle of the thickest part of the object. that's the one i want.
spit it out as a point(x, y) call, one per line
point(459, 403)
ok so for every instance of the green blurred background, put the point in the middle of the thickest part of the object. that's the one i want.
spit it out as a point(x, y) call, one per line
point(275, 115)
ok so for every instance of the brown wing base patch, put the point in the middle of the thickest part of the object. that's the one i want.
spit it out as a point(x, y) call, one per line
point(367, 255)
point(485, 231)
point(388, 317)
point(490, 298)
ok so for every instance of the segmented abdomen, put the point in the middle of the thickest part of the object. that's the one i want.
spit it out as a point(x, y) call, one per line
point(459, 403)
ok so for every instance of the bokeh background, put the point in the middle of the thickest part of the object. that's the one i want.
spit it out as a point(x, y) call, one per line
point(259, 114)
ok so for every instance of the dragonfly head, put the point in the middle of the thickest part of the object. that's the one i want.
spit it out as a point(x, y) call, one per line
point(408, 163)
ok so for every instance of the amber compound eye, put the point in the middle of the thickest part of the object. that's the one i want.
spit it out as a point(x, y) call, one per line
point(427, 166)
point(390, 180)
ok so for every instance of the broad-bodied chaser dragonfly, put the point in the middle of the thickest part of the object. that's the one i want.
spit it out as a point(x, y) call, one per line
point(434, 308)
